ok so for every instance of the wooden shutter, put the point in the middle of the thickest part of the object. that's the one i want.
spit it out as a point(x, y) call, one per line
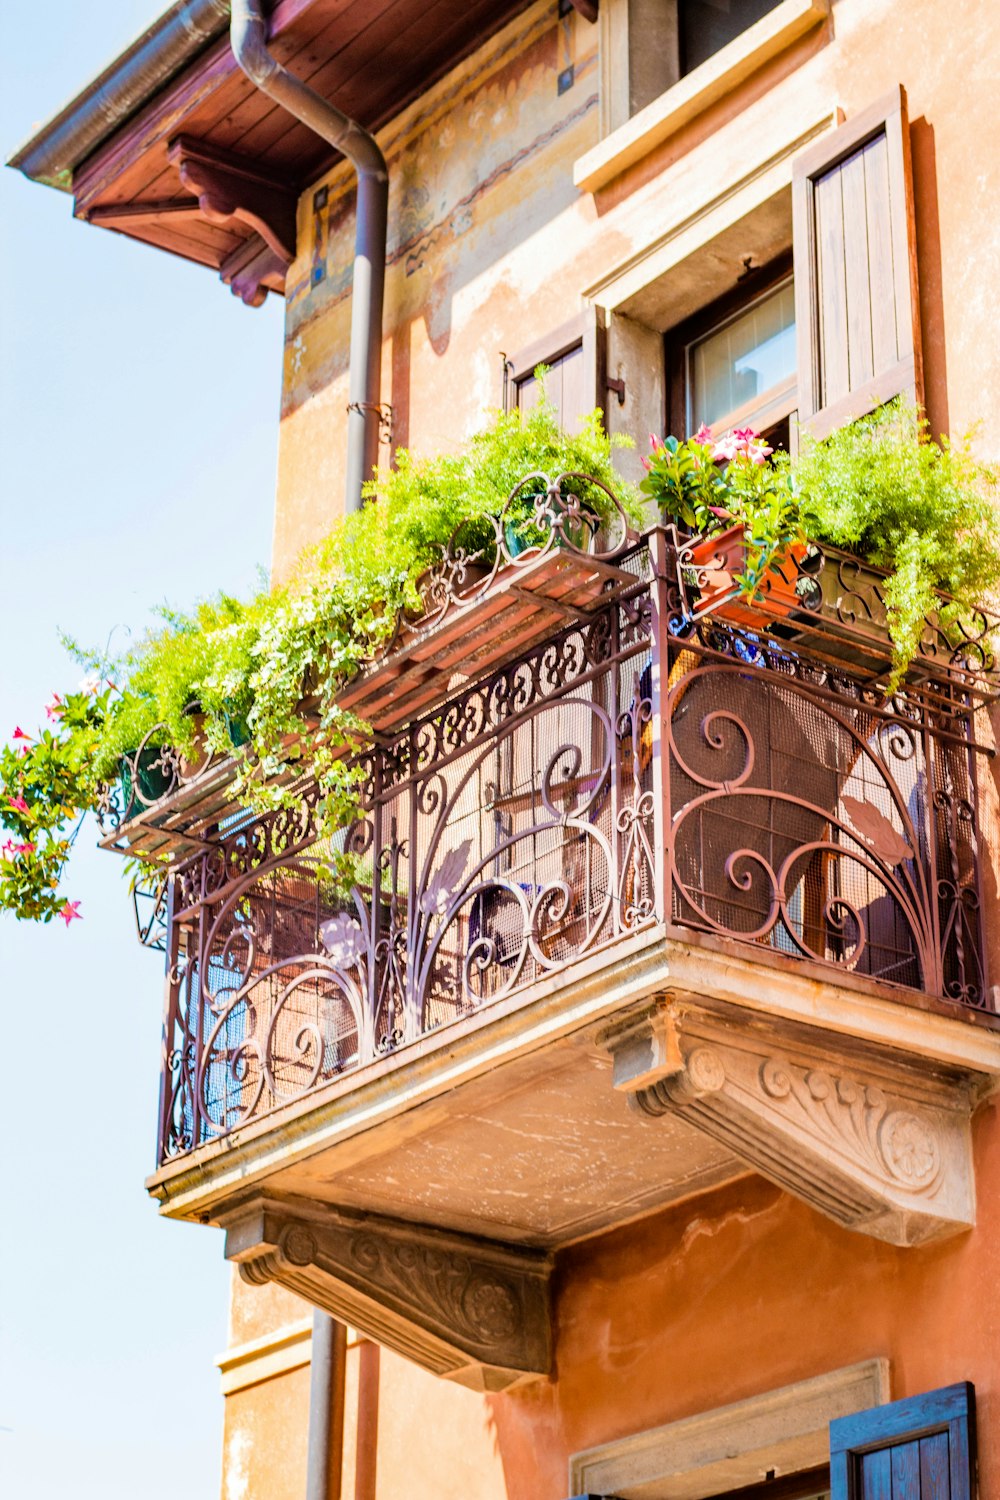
point(856, 307)
point(575, 356)
point(919, 1449)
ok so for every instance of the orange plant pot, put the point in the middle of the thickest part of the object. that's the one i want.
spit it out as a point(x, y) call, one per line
point(718, 559)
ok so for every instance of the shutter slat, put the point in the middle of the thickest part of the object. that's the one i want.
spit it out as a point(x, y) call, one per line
point(876, 1476)
point(859, 289)
point(934, 1464)
point(885, 344)
point(834, 370)
point(905, 1471)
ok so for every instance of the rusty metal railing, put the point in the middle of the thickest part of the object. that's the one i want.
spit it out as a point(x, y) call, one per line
point(633, 767)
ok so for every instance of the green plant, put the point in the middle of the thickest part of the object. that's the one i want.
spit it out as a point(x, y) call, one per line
point(48, 781)
point(232, 674)
point(880, 488)
point(923, 510)
point(709, 487)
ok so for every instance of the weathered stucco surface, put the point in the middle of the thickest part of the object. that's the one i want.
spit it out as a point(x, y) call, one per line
point(742, 1289)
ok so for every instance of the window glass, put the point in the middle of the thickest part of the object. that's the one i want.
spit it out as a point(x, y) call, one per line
point(707, 25)
point(749, 355)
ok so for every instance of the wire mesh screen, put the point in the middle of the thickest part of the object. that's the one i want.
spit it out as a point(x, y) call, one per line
point(812, 821)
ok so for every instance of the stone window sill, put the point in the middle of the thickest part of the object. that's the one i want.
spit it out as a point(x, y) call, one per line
point(729, 67)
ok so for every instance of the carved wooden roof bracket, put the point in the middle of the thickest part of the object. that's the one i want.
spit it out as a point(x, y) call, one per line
point(234, 187)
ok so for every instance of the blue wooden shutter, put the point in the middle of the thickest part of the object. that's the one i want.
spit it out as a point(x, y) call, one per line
point(919, 1449)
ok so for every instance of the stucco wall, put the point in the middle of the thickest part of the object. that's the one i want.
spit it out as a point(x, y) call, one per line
point(490, 247)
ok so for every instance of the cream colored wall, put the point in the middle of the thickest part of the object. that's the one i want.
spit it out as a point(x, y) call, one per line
point(429, 1439)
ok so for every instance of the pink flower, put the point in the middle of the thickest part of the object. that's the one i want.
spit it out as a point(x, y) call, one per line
point(725, 449)
point(70, 912)
point(23, 848)
point(655, 442)
point(703, 435)
point(758, 452)
point(19, 734)
point(646, 465)
point(18, 804)
point(744, 436)
point(55, 707)
point(8, 851)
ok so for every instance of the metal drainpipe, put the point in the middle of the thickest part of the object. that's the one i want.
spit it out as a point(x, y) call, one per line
point(328, 1364)
point(248, 38)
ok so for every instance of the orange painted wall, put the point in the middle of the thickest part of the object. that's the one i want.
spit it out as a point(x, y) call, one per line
point(745, 1290)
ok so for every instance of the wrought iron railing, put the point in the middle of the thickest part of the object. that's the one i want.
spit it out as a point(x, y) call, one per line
point(635, 766)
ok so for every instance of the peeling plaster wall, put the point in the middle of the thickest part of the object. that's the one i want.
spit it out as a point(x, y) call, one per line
point(491, 246)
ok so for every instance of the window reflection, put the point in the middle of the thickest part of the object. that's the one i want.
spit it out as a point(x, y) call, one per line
point(744, 359)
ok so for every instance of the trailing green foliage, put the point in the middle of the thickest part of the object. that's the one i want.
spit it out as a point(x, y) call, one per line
point(232, 675)
point(925, 511)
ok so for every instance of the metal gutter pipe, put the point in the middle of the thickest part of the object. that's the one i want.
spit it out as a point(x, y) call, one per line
point(162, 51)
point(248, 37)
point(327, 1375)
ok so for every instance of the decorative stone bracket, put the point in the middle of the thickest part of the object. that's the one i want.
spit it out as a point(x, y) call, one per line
point(473, 1310)
point(875, 1141)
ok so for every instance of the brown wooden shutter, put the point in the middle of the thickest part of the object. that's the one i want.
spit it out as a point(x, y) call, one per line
point(856, 307)
point(919, 1449)
point(575, 356)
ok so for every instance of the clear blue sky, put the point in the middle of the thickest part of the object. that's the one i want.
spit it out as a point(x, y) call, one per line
point(139, 412)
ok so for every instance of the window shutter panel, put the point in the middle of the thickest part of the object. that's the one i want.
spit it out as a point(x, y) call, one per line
point(919, 1449)
point(576, 358)
point(857, 312)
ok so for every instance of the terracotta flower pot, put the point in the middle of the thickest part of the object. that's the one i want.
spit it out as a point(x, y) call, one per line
point(716, 561)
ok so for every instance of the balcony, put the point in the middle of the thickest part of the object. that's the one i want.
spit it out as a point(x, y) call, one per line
point(615, 849)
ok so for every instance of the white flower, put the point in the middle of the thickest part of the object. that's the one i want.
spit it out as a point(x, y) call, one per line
point(341, 937)
point(89, 684)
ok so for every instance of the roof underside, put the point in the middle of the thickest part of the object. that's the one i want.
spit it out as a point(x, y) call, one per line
point(369, 57)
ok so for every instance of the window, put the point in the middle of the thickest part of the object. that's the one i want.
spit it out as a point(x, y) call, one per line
point(744, 360)
point(831, 331)
point(706, 26)
point(574, 356)
point(730, 1451)
point(734, 363)
point(649, 47)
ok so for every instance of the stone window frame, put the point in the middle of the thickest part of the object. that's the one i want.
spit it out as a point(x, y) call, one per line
point(785, 1431)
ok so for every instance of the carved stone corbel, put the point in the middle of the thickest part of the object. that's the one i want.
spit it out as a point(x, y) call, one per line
point(475, 1311)
point(873, 1141)
point(229, 186)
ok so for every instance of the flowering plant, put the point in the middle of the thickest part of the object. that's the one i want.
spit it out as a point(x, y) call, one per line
point(881, 487)
point(711, 486)
point(47, 782)
point(230, 676)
